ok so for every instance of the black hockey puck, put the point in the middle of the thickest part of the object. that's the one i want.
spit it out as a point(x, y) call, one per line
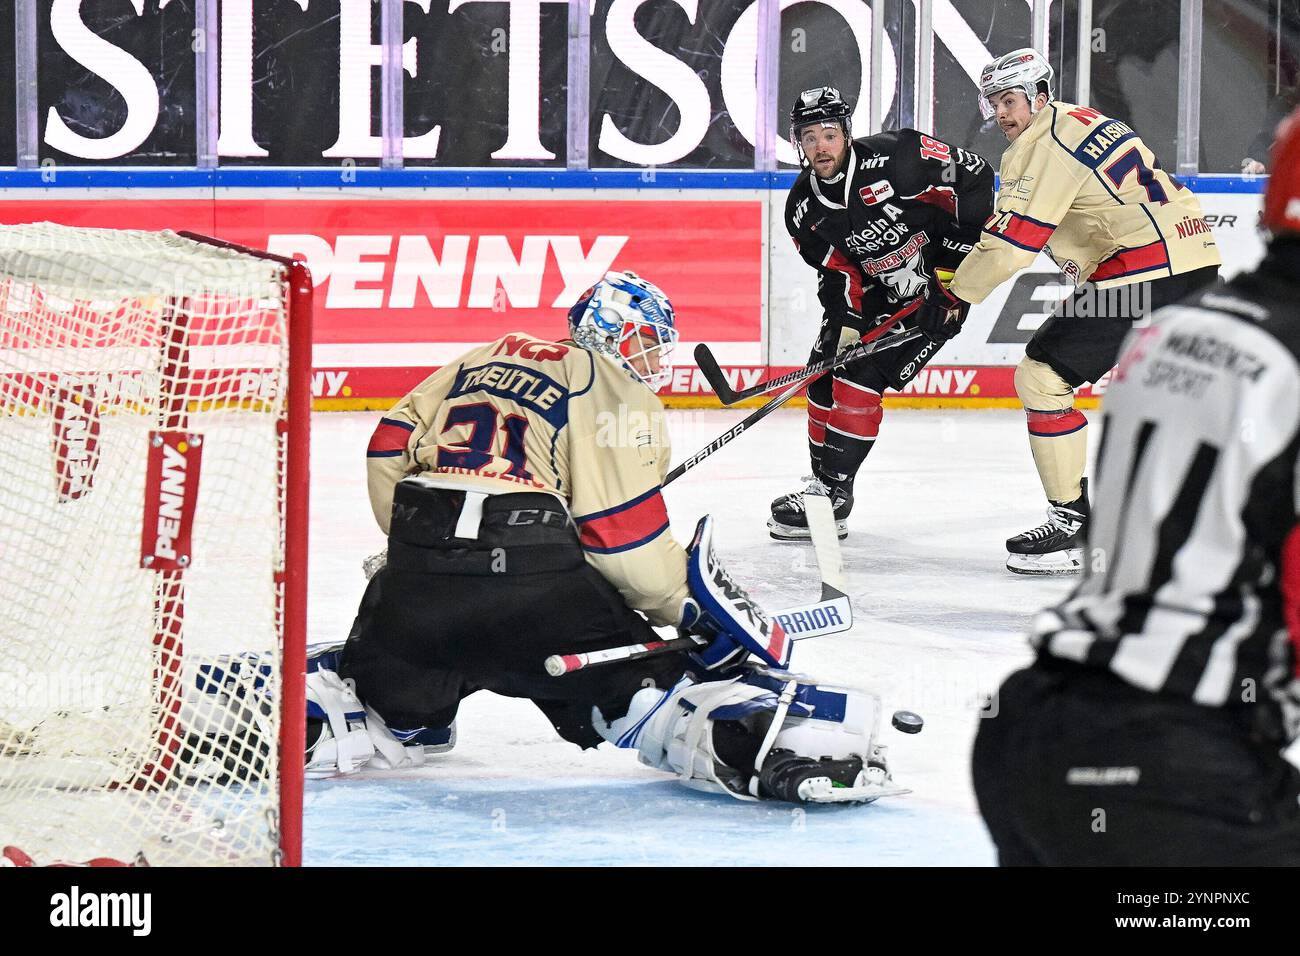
point(907, 722)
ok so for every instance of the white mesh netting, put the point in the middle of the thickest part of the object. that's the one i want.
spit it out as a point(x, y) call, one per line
point(139, 672)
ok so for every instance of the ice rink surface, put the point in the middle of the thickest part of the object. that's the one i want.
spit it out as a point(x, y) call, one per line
point(939, 622)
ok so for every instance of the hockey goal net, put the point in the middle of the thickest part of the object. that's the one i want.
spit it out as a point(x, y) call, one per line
point(154, 414)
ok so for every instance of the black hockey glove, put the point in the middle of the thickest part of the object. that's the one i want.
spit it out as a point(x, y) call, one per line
point(942, 315)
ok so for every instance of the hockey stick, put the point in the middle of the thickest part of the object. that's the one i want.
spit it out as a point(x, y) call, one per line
point(763, 411)
point(831, 615)
point(734, 431)
point(825, 541)
point(729, 396)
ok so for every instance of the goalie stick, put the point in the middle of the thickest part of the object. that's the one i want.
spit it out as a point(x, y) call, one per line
point(833, 614)
point(728, 396)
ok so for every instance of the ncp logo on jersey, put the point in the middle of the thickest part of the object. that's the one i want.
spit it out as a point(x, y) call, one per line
point(78, 909)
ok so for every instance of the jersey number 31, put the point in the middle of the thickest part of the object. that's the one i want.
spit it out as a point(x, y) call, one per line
point(477, 450)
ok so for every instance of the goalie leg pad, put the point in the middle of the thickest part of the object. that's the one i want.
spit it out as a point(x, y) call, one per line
point(349, 735)
point(719, 735)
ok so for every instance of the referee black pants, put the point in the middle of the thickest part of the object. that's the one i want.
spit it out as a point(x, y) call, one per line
point(1078, 768)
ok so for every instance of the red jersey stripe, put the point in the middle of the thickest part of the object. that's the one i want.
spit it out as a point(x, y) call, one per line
point(389, 438)
point(1289, 584)
point(1028, 233)
point(624, 527)
point(1128, 261)
point(836, 260)
point(1053, 424)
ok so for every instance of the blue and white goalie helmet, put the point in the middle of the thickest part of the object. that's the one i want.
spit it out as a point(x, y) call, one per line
point(630, 322)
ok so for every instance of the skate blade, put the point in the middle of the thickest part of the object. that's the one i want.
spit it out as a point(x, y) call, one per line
point(781, 532)
point(821, 790)
point(1069, 562)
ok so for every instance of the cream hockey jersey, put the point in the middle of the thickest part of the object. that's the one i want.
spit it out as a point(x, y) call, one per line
point(523, 414)
point(1086, 190)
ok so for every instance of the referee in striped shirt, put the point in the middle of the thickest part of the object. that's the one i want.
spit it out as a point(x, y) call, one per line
point(1151, 728)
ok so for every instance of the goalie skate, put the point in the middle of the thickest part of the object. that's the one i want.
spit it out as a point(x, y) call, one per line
point(787, 776)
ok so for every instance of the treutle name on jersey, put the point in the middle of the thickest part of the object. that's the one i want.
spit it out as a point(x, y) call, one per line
point(527, 387)
point(76, 909)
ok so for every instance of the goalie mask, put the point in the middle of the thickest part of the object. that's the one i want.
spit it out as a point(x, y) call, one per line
point(1025, 69)
point(630, 322)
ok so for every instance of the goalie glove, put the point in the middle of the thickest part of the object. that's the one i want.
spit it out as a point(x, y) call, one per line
point(721, 611)
point(721, 652)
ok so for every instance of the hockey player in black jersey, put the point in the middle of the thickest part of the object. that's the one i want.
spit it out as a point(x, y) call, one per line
point(1150, 730)
point(880, 218)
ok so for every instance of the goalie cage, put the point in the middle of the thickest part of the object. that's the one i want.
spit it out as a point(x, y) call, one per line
point(155, 394)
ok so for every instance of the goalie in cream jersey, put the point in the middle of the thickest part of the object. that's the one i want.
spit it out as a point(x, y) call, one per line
point(520, 489)
point(1086, 190)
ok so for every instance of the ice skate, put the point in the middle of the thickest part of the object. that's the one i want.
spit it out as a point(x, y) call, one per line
point(1056, 546)
point(789, 519)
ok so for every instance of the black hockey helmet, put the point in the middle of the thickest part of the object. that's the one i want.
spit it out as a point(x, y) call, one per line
point(821, 105)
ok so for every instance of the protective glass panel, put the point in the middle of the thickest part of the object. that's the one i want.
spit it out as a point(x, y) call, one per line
point(492, 80)
point(121, 86)
point(8, 103)
point(1135, 70)
point(1250, 64)
point(829, 44)
point(968, 35)
point(663, 87)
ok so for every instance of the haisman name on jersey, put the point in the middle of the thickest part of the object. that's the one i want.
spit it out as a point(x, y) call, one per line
point(1086, 190)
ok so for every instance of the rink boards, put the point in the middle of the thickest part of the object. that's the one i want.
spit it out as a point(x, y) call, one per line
point(413, 267)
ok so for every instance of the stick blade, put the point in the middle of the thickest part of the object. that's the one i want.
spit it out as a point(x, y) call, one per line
point(713, 375)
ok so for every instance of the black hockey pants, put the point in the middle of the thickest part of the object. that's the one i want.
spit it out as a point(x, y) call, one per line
point(449, 616)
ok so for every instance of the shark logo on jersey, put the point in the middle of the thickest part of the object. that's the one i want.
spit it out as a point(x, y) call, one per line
point(901, 271)
point(908, 281)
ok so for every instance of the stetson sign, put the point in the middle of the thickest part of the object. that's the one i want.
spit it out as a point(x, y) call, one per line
point(672, 82)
